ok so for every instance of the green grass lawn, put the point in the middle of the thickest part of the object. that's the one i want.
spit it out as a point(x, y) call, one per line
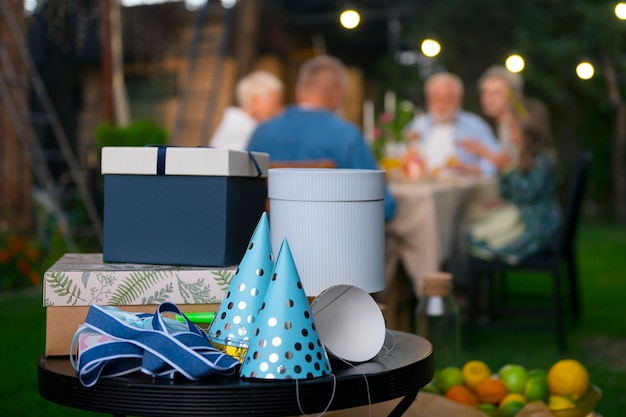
point(599, 340)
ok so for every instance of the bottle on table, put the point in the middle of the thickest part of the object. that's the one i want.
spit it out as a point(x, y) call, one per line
point(438, 319)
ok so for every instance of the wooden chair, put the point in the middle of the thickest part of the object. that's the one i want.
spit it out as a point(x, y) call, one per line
point(549, 263)
point(311, 163)
point(308, 163)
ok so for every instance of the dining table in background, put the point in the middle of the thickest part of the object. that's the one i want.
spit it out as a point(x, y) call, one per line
point(426, 232)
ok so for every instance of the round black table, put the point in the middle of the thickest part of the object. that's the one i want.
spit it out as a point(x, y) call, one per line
point(401, 373)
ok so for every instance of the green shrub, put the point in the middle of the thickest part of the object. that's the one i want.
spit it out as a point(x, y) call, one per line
point(138, 133)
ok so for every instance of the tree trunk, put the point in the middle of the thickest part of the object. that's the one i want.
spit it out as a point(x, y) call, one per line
point(247, 36)
point(108, 113)
point(15, 172)
point(120, 100)
point(618, 150)
point(618, 145)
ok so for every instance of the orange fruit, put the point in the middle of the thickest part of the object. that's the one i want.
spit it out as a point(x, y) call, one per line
point(474, 372)
point(491, 390)
point(462, 395)
point(568, 377)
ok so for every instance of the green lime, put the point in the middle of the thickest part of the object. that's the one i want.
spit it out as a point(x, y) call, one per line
point(511, 408)
point(536, 389)
point(537, 372)
point(489, 409)
point(449, 377)
point(431, 387)
point(514, 377)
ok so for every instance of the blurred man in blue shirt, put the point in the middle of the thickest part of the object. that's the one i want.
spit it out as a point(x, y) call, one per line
point(311, 129)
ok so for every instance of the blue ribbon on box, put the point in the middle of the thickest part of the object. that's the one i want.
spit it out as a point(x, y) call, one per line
point(259, 172)
point(113, 342)
point(162, 152)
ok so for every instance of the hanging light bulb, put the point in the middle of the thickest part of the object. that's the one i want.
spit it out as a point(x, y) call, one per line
point(515, 63)
point(349, 19)
point(620, 10)
point(585, 70)
point(430, 47)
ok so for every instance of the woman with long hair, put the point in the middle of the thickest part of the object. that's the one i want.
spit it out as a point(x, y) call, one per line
point(526, 217)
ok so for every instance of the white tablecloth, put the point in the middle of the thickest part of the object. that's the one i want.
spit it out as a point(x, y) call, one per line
point(427, 227)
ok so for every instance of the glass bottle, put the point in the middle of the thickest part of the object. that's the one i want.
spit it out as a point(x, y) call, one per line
point(438, 319)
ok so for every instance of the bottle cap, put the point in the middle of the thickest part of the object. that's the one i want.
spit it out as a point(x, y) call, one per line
point(437, 284)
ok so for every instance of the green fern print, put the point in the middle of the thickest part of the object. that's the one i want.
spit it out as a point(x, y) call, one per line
point(63, 285)
point(159, 296)
point(223, 278)
point(136, 284)
point(196, 292)
point(102, 292)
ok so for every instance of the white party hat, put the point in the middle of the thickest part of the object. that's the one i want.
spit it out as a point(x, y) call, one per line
point(285, 343)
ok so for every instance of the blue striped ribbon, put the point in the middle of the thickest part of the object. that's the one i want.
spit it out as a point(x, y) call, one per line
point(153, 344)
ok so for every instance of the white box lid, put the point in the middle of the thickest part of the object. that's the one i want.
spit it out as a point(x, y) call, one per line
point(324, 184)
point(133, 160)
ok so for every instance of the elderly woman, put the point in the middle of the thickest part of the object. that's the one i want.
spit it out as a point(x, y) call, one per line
point(260, 98)
point(500, 97)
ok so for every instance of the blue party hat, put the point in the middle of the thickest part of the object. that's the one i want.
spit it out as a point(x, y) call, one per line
point(235, 320)
point(285, 343)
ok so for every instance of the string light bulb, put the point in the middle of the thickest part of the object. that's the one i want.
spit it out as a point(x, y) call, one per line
point(620, 10)
point(430, 47)
point(350, 19)
point(585, 70)
point(515, 63)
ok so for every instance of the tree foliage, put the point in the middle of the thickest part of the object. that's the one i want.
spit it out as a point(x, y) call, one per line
point(553, 36)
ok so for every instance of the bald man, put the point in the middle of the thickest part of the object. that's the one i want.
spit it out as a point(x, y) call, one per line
point(312, 130)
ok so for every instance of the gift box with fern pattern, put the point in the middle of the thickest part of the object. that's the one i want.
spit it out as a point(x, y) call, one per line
point(85, 279)
point(181, 205)
point(76, 281)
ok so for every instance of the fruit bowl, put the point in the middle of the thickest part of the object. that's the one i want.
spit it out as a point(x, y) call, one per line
point(585, 405)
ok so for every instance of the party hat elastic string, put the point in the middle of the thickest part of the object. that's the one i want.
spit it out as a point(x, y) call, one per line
point(393, 344)
point(332, 397)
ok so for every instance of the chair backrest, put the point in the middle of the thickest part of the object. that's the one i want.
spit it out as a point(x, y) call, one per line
point(573, 201)
point(310, 163)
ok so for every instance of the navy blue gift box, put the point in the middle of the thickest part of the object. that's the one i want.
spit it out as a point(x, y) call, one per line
point(181, 205)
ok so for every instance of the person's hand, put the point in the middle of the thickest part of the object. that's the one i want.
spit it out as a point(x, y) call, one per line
point(466, 168)
point(412, 136)
point(493, 203)
point(501, 161)
point(475, 147)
